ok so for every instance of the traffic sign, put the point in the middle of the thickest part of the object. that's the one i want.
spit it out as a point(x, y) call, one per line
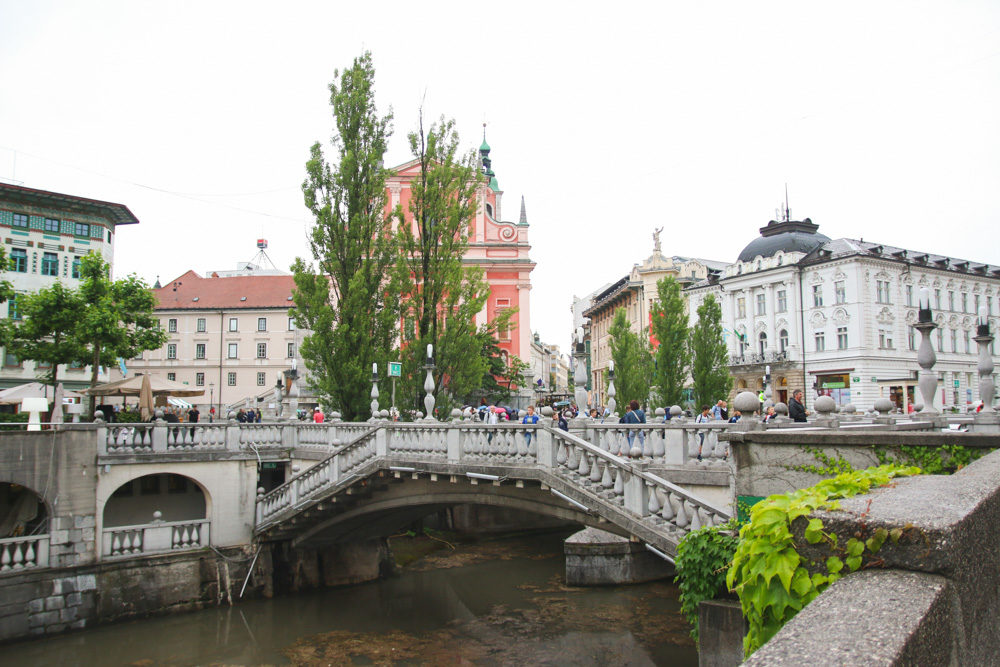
point(395, 369)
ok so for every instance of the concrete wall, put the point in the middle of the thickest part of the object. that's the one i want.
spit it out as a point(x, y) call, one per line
point(766, 460)
point(931, 598)
point(60, 467)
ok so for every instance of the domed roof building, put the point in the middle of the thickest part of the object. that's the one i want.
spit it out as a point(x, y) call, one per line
point(784, 236)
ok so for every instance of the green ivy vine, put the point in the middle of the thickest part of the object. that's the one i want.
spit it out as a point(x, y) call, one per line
point(830, 466)
point(703, 557)
point(943, 460)
point(772, 580)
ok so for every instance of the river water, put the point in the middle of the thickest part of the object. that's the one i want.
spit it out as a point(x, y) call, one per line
point(500, 602)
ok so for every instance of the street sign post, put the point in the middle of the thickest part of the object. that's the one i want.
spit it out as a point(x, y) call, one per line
point(395, 371)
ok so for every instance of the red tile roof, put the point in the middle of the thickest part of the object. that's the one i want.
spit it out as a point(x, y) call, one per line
point(192, 292)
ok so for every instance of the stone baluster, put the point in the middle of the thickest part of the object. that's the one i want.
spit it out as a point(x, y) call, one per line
point(927, 379)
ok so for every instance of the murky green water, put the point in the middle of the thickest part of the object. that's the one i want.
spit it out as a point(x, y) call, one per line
point(492, 603)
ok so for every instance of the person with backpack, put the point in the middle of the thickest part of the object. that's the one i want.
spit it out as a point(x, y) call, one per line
point(635, 415)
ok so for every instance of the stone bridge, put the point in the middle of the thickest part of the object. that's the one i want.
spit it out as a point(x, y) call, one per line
point(397, 472)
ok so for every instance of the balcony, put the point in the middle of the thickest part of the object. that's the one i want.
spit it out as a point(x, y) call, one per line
point(754, 358)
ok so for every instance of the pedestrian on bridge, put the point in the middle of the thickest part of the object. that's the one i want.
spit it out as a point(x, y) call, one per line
point(635, 415)
point(530, 418)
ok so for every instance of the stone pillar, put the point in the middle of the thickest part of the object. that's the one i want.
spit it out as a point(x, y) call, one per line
point(928, 380)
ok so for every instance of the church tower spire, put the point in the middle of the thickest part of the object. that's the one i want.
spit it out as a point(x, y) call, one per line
point(524, 213)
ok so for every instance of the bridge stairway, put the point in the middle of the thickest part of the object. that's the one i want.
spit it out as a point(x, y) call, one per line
point(552, 472)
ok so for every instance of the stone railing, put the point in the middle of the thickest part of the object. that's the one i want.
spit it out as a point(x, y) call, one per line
point(752, 358)
point(21, 553)
point(671, 443)
point(156, 537)
point(642, 494)
point(160, 438)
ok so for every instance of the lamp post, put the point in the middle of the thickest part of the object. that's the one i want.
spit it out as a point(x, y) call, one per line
point(211, 400)
point(985, 367)
point(429, 383)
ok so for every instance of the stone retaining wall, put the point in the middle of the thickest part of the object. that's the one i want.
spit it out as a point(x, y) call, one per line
point(931, 598)
point(54, 600)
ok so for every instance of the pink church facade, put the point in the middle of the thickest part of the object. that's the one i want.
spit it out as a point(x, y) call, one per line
point(499, 247)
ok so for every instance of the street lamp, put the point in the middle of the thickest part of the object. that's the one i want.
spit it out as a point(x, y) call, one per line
point(211, 400)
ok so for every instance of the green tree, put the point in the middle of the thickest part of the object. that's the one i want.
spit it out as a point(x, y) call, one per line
point(438, 292)
point(46, 332)
point(117, 320)
point(6, 294)
point(633, 361)
point(709, 370)
point(670, 328)
point(347, 299)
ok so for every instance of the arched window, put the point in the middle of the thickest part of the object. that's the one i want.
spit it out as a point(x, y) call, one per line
point(783, 340)
point(762, 342)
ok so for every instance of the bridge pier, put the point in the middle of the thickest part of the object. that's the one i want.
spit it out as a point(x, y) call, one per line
point(598, 558)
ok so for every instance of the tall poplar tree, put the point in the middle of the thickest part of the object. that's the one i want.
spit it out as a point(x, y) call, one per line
point(346, 298)
point(709, 370)
point(633, 361)
point(670, 329)
point(441, 294)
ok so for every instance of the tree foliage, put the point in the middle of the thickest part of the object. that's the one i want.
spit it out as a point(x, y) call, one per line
point(633, 361)
point(709, 369)
point(46, 332)
point(347, 298)
point(438, 292)
point(117, 320)
point(670, 328)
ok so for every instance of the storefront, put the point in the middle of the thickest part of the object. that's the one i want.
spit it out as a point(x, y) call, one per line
point(835, 385)
point(901, 391)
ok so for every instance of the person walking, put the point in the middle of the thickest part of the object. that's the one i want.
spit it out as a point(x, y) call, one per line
point(796, 410)
point(530, 418)
point(318, 416)
point(703, 418)
point(635, 415)
point(719, 411)
point(193, 415)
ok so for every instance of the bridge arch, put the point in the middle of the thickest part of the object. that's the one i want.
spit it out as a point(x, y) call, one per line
point(176, 497)
point(396, 505)
point(227, 487)
point(23, 511)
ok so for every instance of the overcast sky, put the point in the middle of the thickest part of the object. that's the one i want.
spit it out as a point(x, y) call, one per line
point(610, 119)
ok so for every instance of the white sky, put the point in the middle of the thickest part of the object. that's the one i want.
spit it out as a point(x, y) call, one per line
point(881, 117)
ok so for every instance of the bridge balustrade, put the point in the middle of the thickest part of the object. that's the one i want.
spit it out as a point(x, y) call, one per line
point(630, 485)
point(21, 553)
point(157, 537)
point(671, 443)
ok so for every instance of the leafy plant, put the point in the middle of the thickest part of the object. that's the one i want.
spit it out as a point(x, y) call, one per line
point(830, 466)
point(773, 581)
point(703, 557)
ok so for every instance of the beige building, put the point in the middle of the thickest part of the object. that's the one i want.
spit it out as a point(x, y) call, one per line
point(635, 293)
point(229, 334)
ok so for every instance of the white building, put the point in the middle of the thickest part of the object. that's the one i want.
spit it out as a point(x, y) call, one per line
point(45, 235)
point(835, 316)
